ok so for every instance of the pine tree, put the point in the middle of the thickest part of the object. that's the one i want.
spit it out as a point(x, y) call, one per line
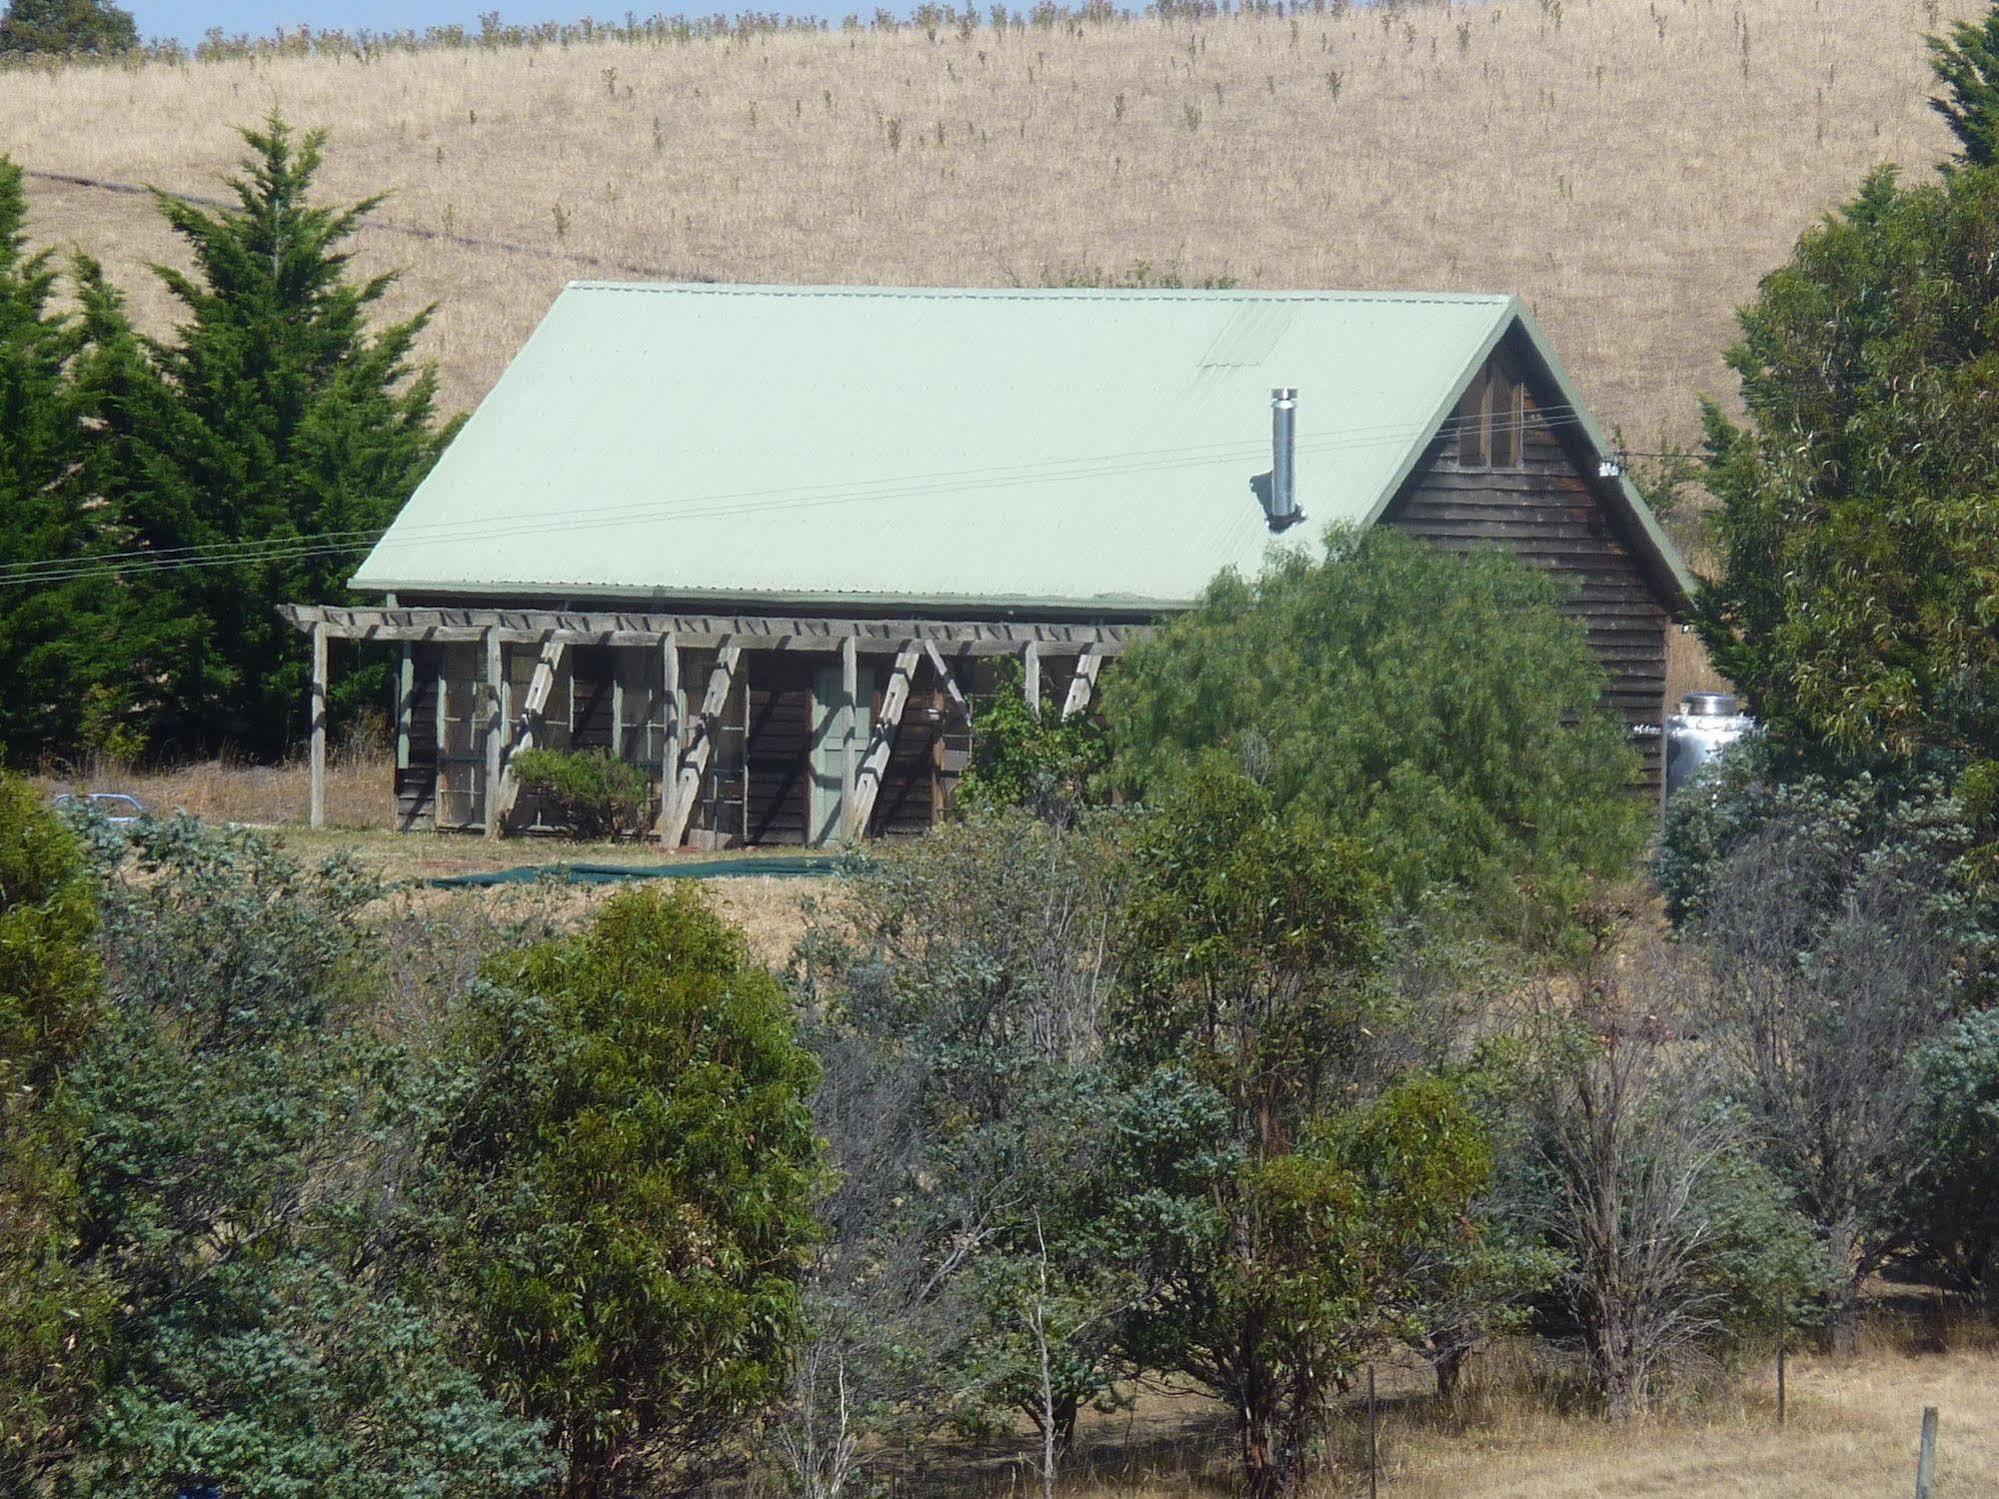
point(279, 419)
point(128, 643)
point(43, 520)
point(67, 26)
point(1967, 64)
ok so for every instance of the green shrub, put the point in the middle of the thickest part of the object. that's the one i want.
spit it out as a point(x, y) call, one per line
point(1038, 761)
point(67, 27)
point(629, 1169)
point(242, 1191)
point(52, 1315)
point(593, 794)
point(1951, 1211)
point(1437, 709)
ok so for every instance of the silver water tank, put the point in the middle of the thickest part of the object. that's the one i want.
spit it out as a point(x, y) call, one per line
point(1707, 724)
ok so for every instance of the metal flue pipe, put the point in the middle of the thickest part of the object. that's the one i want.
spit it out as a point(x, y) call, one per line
point(1284, 511)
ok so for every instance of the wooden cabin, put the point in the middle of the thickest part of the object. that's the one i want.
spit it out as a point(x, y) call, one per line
point(773, 543)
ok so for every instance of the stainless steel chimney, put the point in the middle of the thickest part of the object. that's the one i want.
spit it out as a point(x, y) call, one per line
point(1284, 511)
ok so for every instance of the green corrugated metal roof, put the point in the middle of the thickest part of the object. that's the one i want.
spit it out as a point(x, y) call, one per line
point(924, 448)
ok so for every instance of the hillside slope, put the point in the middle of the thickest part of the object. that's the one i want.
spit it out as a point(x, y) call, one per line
point(1630, 168)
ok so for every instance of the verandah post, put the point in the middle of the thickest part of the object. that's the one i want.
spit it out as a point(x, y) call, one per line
point(496, 727)
point(669, 745)
point(850, 709)
point(316, 712)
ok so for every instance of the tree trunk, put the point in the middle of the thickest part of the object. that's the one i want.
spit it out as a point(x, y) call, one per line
point(1617, 1372)
point(1845, 1320)
point(1261, 1437)
point(1294, 1455)
point(1844, 1325)
point(1450, 1366)
point(1066, 1408)
point(582, 1479)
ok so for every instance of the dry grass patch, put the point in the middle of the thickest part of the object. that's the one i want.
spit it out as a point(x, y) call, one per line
point(1853, 1431)
point(772, 912)
point(1631, 167)
point(360, 790)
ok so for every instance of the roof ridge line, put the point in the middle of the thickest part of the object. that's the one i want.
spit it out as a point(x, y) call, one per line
point(1041, 293)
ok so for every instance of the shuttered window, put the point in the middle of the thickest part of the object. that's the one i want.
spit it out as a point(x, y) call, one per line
point(1491, 416)
point(1472, 421)
point(1503, 408)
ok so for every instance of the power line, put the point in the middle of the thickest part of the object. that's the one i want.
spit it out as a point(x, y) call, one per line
point(295, 548)
point(384, 226)
point(1049, 470)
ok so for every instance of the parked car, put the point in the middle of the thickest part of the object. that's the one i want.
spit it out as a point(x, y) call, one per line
point(117, 807)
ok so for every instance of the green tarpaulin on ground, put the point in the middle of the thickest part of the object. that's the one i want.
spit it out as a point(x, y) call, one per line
point(798, 867)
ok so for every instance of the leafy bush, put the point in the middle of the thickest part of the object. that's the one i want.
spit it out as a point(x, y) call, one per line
point(1249, 962)
point(593, 794)
point(1951, 1208)
point(53, 1313)
point(629, 1162)
point(973, 1131)
point(242, 1190)
point(1866, 366)
point(1042, 762)
point(1436, 708)
point(67, 26)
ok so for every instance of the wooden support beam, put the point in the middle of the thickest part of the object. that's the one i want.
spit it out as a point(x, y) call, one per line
point(881, 744)
point(1030, 675)
point(694, 764)
point(1084, 684)
point(527, 723)
point(948, 682)
point(496, 730)
point(316, 727)
point(669, 745)
point(850, 710)
point(761, 632)
point(405, 704)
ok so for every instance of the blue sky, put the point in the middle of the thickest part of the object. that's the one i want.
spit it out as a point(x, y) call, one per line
point(189, 19)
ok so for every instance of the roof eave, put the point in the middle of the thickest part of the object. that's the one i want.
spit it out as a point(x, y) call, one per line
point(1668, 570)
point(1105, 606)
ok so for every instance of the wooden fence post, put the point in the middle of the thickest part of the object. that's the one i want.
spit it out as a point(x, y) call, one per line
point(1783, 1340)
point(1926, 1456)
point(1373, 1440)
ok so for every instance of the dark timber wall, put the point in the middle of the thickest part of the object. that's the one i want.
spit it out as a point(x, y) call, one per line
point(1505, 474)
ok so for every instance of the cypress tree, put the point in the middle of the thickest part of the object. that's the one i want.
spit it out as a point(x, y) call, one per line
point(1967, 64)
point(44, 517)
point(278, 419)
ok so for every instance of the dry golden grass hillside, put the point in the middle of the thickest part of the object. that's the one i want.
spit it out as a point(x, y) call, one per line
point(1629, 166)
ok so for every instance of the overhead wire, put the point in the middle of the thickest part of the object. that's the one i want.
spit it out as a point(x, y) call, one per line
point(294, 548)
point(702, 508)
point(929, 483)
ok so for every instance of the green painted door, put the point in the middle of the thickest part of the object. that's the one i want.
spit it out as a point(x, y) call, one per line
point(832, 715)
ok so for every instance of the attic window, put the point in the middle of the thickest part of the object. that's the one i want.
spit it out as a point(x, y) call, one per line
point(1490, 418)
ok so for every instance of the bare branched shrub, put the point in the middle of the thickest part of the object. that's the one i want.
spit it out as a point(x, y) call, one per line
point(1645, 1187)
point(977, 961)
point(1834, 936)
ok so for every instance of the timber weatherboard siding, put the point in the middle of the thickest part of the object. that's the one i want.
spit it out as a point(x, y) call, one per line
point(1546, 511)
